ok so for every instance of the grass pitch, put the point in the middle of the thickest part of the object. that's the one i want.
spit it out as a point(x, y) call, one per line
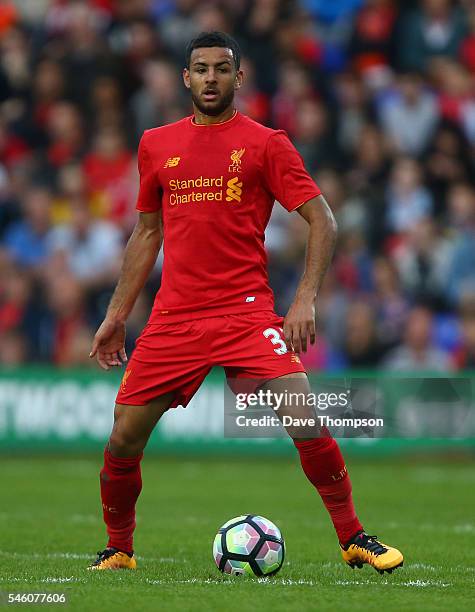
point(50, 529)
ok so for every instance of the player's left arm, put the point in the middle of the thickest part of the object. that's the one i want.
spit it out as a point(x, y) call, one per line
point(299, 324)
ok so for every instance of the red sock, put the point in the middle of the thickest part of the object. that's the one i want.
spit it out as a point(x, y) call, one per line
point(121, 483)
point(325, 467)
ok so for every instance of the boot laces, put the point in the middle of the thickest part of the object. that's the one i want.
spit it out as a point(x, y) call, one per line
point(370, 543)
point(102, 555)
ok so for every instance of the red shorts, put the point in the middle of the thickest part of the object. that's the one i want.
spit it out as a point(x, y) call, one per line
point(178, 356)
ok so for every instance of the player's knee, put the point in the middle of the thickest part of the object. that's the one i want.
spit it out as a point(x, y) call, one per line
point(125, 444)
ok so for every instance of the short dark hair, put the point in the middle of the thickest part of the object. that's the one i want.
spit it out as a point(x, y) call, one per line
point(214, 39)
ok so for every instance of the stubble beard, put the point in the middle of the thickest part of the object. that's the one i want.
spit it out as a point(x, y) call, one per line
point(214, 111)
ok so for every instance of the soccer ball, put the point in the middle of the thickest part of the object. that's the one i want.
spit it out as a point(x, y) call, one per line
point(249, 544)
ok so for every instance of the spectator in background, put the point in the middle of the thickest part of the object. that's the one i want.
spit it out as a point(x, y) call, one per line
point(295, 86)
point(8, 16)
point(143, 43)
point(13, 349)
point(65, 130)
point(464, 357)
point(48, 88)
point(8, 206)
point(66, 319)
point(78, 29)
point(423, 262)
point(362, 346)
point(408, 200)
point(434, 28)
point(160, 100)
point(331, 12)
point(460, 277)
point(13, 148)
point(312, 135)
point(26, 241)
point(107, 106)
point(409, 115)
point(455, 94)
point(390, 304)
point(354, 110)
point(372, 44)
point(211, 16)
point(104, 167)
point(264, 27)
point(178, 26)
point(251, 100)
point(366, 180)
point(135, 41)
point(333, 303)
point(15, 293)
point(352, 263)
point(467, 47)
point(447, 161)
point(297, 37)
point(91, 249)
point(70, 185)
point(417, 352)
point(15, 65)
point(124, 12)
point(370, 164)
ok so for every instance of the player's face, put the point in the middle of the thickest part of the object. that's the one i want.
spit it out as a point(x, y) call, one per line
point(212, 79)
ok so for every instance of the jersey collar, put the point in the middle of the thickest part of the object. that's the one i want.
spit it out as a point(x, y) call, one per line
point(216, 126)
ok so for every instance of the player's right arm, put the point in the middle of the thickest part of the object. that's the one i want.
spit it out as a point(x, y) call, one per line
point(139, 258)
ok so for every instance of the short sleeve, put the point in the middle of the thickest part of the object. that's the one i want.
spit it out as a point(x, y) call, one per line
point(285, 173)
point(149, 198)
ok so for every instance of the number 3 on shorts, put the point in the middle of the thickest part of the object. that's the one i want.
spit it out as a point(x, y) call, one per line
point(275, 338)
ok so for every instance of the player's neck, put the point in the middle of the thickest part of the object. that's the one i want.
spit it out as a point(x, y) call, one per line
point(202, 119)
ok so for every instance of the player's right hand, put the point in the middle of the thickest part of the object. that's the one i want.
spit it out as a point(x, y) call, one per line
point(108, 345)
point(299, 323)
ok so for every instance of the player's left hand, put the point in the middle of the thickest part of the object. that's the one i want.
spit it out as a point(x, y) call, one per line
point(299, 324)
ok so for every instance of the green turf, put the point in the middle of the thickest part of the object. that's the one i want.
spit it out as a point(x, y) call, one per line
point(50, 528)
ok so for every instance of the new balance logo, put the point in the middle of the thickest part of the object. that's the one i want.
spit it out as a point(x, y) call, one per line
point(172, 162)
point(234, 190)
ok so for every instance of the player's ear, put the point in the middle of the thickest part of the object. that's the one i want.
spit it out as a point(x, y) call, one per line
point(186, 77)
point(238, 80)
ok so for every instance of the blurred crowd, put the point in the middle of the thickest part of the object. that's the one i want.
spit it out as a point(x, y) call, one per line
point(378, 97)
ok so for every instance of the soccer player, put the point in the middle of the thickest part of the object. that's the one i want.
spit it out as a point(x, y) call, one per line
point(207, 187)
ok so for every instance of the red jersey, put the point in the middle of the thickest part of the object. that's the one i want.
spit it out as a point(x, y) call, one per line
point(216, 185)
